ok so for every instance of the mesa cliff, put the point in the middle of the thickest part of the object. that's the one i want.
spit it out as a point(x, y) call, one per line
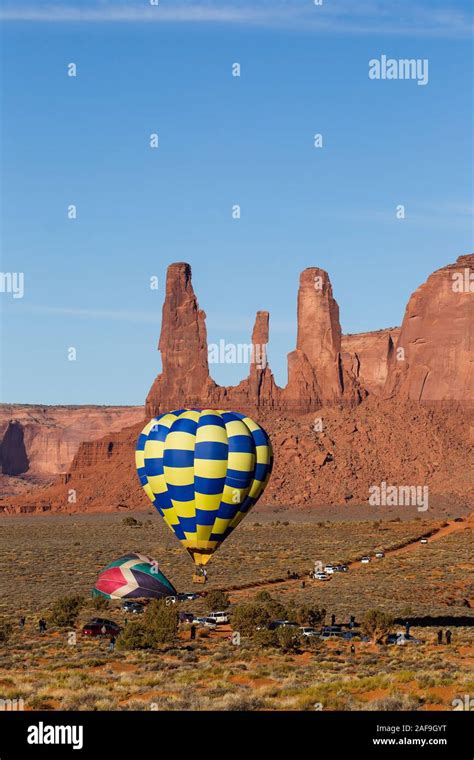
point(434, 356)
point(39, 442)
point(391, 405)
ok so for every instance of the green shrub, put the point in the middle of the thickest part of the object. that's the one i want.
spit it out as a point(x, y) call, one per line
point(376, 624)
point(265, 638)
point(217, 600)
point(133, 636)
point(248, 616)
point(287, 637)
point(262, 597)
point(306, 615)
point(100, 603)
point(160, 622)
point(65, 611)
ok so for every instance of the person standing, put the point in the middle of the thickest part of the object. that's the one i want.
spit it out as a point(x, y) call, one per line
point(440, 636)
point(22, 622)
point(112, 643)
point(448, 636)
point(193, 632)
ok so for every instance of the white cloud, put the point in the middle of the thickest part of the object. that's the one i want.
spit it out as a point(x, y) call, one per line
point(410, 18)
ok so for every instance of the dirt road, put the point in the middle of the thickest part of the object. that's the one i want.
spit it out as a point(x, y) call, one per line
point(436, 535)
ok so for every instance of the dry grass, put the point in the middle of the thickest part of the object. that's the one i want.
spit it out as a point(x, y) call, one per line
point(43, 559)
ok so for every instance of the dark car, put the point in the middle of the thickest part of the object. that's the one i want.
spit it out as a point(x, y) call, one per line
point(329, 631)
point(190, 597)
point(340, 568)
point(281, 624)
point(130, 606)
point(186, 617)
point(101, 627)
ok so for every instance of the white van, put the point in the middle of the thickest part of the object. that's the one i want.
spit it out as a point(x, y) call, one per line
point(220, 618)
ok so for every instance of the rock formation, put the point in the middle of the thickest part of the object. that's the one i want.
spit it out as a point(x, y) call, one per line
point(369, 426)
point(368, 355)
point(184, 380)
point(42, 440)
point(433, 357)
point(316, 371)
point(13, 455)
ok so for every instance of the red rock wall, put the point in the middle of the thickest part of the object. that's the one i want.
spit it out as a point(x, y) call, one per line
point(369, 354)
point(51, 434)
point(433, 358)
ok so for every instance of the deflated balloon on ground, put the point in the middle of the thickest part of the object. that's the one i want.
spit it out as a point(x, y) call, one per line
point(133, 576)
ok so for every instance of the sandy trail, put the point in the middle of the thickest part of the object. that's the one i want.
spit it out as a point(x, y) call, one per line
point(436, 535)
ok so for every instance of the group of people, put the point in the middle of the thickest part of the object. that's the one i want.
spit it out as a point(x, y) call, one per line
point(448, 636)
point(41, 624)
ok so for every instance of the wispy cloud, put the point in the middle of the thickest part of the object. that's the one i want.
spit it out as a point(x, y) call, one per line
point(408, 17)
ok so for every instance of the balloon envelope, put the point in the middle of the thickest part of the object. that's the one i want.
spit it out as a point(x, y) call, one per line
point(133, 576)
point(203, 470)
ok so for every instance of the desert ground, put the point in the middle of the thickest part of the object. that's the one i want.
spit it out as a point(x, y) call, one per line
point(47, 557)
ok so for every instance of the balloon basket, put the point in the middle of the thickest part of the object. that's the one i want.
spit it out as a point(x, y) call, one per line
point(199, 578)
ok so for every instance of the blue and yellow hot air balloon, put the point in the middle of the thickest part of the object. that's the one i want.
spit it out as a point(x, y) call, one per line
point(203, 470)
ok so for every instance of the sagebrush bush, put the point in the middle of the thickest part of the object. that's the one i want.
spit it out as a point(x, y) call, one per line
point(217, 600)
point(65, 611)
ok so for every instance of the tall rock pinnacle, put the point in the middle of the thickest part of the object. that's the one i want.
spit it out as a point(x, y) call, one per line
point(183, 345)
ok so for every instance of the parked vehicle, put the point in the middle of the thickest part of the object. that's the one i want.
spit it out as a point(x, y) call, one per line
point(188, 597)
point(365, 560)
point(308, 631)
point(101, 627)
point(281, 624)
point(186, 617)
point(171, 599)
point(332, 634)
point(423, 540)
point(331, 629)
point(207, 622)
point(220, 618)
point(329, 569)
point(341, 568)
point(380, 554)
point(322, 577)
point(401, 639)
point(135, 607)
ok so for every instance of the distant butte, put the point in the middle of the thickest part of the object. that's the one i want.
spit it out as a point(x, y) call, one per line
point(390, 405)
point(428, 359)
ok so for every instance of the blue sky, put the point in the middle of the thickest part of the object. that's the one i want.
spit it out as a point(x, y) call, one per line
point(223, 140)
